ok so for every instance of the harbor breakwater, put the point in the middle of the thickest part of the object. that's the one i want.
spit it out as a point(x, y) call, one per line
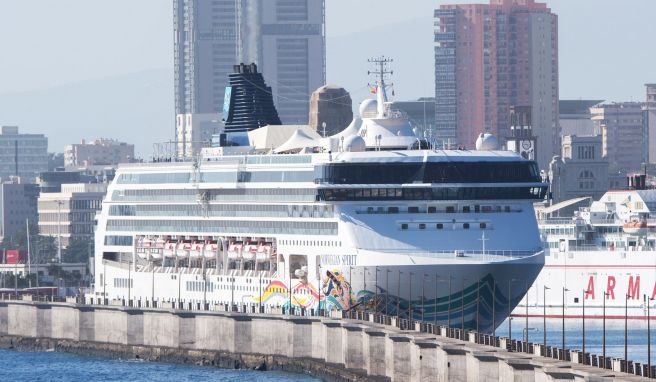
point(332, 349)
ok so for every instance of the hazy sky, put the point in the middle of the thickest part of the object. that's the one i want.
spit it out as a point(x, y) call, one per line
point(607, 47)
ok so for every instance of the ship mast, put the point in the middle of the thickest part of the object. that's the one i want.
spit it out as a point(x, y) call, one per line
point(382, 73)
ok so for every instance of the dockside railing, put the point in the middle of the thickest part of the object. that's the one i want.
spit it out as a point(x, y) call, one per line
point(511, 345)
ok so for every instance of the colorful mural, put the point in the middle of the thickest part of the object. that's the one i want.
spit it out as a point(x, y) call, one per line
point(337, 291)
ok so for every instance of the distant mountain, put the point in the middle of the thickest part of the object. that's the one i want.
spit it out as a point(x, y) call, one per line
point(136, 108)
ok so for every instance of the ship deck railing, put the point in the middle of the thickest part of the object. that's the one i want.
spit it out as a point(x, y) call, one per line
point(476, 254)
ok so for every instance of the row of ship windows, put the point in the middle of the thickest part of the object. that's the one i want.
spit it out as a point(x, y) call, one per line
point(441, 209)
point(557, 231)
point(434, 193)
point(224, 210)
point(197, 286)
point(323, 243)
point(223, 195)
point(121, 282)
point(441, 226)
point(235, 227)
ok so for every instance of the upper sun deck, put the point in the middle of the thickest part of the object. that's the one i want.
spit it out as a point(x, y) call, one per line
point(399, 156)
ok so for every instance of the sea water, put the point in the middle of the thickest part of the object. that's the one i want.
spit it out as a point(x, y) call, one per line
point(636, 336)
point(56, 366)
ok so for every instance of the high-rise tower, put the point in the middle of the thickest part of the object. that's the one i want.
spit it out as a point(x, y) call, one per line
point(285, 38)
point(490, 57)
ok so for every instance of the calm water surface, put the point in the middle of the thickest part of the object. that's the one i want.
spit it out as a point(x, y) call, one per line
point(54, 366)
point(636, 336)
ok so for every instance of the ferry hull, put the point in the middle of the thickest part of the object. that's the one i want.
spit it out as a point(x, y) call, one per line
point(628, 278)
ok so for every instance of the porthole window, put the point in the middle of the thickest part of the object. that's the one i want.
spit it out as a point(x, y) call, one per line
point(439, 226)
point(432, 210)
point(465, 226)
point(466, 209)
point(450, 209)
point(413, 210)
point(483, 225)
point(404, 226)
point(422, 226)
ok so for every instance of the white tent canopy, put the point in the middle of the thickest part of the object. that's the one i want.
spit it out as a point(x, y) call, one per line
point(298, 141)
point(271, 136)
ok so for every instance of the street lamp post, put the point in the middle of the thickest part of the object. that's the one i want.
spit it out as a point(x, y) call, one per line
point(423, 293)
point(462, 306)
point(583, 345)
point(526, 315)
point(59, 247)
point(509, 312)
point(626, 347)
point(387, 272)
point(563, 322)
point(398, 298)
point(364, 287)
point(648, 303)
point(544, 316)
point(376, 292)
point(435, 310)
point(494, 308)
point(606, 294)
point(410, 316)
point(478, 307)
point(449, 312)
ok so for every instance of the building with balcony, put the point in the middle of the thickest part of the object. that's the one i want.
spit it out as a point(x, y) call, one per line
point(489, 57)
point(70, 214)
point(623, 131)
point(99, 152)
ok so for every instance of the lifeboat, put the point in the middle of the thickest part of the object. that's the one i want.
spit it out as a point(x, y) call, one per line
point(196, 249)
point(169, 248)
point(636, 227)
point(263, 251)
point(183, 249)
point(234, 249)
point(249, 252)
point(210, 250)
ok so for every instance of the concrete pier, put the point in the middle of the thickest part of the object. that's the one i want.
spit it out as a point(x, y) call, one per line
point(333, 349)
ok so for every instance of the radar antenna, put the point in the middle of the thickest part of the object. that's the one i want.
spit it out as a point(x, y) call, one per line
point(382, 73)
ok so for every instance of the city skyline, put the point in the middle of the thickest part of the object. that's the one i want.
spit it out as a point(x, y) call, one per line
point(142, 51)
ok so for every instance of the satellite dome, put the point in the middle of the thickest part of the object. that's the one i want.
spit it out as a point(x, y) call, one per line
point(487, 142)
point(354, 143)
point(369, 108)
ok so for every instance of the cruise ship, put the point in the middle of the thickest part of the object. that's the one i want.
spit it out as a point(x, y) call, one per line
point(373, 218)
point(607, 249)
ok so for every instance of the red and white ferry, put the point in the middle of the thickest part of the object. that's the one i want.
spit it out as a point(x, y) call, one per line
point(606, 249)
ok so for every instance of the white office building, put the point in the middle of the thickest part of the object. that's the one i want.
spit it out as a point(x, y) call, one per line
point(70, 214)
point(23, 155)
